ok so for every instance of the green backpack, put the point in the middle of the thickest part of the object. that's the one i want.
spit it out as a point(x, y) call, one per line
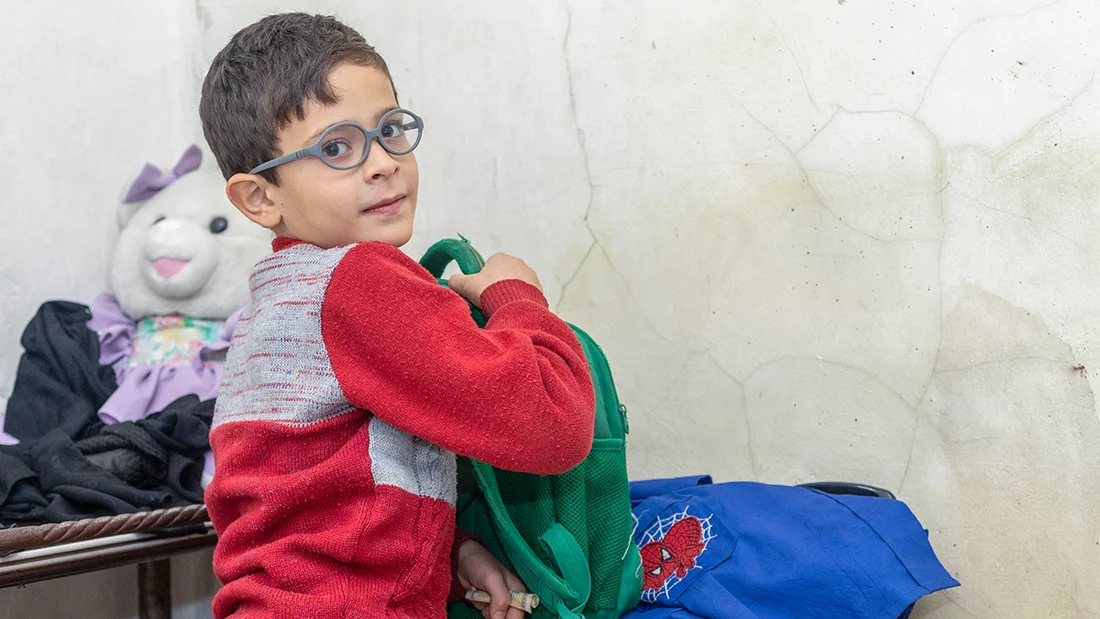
point(569, 537)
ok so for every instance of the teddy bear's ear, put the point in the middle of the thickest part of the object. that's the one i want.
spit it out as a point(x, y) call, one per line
point(152, 179)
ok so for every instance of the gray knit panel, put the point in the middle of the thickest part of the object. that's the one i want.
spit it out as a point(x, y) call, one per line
point(412, 464)
point(277, 368)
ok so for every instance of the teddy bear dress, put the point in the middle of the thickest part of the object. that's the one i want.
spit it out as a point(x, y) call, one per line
point(158, 359)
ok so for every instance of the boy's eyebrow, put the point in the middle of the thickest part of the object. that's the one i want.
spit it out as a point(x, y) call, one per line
point(313, 137)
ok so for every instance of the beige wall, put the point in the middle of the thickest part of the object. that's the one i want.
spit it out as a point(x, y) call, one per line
point(832, 240)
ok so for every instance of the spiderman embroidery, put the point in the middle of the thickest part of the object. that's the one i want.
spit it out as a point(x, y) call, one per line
point(671, 556)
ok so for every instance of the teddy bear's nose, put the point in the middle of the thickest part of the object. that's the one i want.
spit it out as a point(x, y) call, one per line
point(172, 244)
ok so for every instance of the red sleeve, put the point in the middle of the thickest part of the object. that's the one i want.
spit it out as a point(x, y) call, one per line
point(516, 395)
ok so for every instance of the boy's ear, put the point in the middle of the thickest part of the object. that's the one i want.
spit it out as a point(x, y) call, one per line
point(249, 193)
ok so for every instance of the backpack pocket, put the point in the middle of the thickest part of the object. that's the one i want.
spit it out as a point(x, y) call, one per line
point(610, 521)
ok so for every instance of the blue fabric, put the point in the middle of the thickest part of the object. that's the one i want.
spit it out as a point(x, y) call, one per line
point(642, 490)
point(755, 551)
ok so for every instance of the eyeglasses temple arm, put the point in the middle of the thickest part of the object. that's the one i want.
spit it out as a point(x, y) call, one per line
point(296, 155)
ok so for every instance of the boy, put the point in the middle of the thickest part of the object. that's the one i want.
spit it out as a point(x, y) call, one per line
point(354, 379)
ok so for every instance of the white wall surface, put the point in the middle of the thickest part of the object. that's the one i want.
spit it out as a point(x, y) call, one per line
point(832, 240)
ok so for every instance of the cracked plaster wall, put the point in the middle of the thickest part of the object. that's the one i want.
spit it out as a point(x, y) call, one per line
point(850, 240)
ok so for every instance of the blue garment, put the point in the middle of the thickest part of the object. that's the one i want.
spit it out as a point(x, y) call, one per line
point(755, 551)
point(642, 490)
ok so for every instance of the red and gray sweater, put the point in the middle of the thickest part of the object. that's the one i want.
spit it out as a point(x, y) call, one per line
point(352, 381)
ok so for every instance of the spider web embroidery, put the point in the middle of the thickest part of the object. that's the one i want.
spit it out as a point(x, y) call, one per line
point(657, 532)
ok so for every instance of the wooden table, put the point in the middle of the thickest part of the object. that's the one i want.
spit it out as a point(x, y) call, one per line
point(42, 552)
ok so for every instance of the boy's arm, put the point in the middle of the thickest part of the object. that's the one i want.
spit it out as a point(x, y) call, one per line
point(516, 395)
point(458, 592)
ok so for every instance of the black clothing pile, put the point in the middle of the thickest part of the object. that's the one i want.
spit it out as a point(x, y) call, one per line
point(69, 464)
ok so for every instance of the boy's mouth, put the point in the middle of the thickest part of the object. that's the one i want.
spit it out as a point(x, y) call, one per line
point(388, 206)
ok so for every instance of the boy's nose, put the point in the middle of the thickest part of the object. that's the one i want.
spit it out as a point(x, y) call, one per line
point(380, 163)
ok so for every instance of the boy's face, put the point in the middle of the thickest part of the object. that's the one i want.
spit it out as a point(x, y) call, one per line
point(315, 203)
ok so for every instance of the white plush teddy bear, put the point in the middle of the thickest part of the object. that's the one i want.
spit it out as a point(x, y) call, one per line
point(179, 280)
point(184, 249)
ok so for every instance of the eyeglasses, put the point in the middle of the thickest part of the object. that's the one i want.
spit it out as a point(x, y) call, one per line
point(345, 145)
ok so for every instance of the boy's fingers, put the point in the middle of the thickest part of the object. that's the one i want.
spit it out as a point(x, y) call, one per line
point(457, 282)
point(462, 285)
point(498, 591)
point(515, 584)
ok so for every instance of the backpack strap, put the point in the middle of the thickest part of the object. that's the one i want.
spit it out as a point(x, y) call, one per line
point(569, 558)
point(445, 252)
point(568, 593)
point(462, 253)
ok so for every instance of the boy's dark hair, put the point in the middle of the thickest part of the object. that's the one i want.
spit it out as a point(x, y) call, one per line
point(267, 72)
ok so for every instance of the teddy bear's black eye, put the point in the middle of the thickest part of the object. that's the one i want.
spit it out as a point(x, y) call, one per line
point(158, 220)
point(218, 225)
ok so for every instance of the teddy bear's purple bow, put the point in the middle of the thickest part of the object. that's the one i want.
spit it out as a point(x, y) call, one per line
point(152, 179)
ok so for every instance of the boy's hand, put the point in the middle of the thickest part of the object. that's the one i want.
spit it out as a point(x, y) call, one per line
point(478, 568)
point(498, 268)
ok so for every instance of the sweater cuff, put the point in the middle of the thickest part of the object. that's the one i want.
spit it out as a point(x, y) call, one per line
point(509, 291)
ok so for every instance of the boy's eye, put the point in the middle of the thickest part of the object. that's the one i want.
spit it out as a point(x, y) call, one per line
point(393, 130)
point(335, 149)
